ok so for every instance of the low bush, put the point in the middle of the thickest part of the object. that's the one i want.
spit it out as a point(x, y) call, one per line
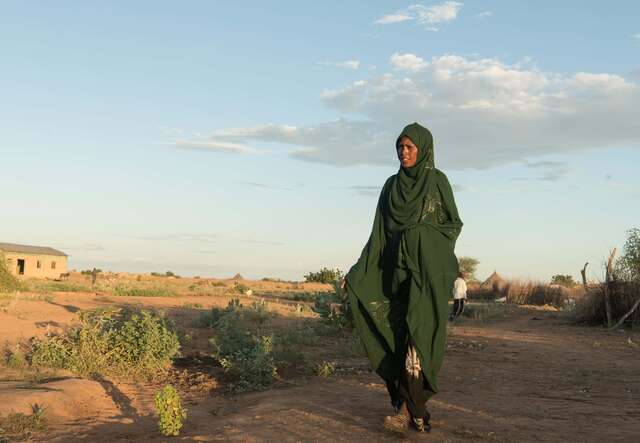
point(563, 280)
point(334, 308)
point(119, 342)
point(126, 291)
point(243, 350)
point(18, 426)
point(8, 282)
point(165, 274)
point(90, 271)
point(53, 286)
point(324, 275)
point(15, 358)
point(171, 414)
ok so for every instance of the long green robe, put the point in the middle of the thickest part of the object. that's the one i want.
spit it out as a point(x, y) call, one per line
point(400, 286)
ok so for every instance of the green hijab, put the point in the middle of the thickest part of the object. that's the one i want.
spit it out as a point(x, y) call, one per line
point(400, 286)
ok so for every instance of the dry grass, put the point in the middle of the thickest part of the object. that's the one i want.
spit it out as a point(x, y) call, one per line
point(522, 292)
point(591, 309)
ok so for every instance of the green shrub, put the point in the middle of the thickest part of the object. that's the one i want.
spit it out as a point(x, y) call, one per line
point(258, 312)
point(288, 347)
point(119, 342)
point(125, 291)
point(563, 280)
point(90, 271)
point(171, 414)
point(334, 308)
point(250, 367)
point(468, 266)
point(245, 353)
point(16, 359)
point(8, 282)
point(628, 266)
point(325, 275)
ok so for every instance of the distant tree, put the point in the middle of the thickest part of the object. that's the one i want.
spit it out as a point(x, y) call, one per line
point(165, 274)
point(563, 280)
point(325, 275)
point(468, 266)
point(628, 265)
point(90, 271)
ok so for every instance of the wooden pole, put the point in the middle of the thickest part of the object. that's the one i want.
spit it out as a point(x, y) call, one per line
point(584, 276)
point(624, 317)
point(607, 282)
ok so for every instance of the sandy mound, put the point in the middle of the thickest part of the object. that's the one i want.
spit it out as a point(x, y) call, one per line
point(66, 399)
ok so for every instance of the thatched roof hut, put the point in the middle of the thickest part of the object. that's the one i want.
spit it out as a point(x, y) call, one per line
point(494, 282)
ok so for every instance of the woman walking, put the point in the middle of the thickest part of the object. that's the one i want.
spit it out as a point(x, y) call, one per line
point(400, 287)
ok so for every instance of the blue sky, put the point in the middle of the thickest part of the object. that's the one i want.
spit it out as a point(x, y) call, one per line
point(211, 138)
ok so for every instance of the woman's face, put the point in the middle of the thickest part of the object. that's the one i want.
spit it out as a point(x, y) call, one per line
point(407, 152)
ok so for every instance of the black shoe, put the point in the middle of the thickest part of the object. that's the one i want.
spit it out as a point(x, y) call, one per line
point(397, 404)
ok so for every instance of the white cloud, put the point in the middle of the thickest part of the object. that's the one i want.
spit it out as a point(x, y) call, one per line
point(408, 62)
point(393, 18)
point(233, 148)
point(636, 36)
point(325, 142)
point(167, 130)
point(483, 14)
point(348, 64)
point(428, 16)
point(603, 83)
point(270, 187)
point(547, 170)
point(483, 112)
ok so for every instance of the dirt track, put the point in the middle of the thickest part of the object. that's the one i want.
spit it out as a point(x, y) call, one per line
point(528, 377)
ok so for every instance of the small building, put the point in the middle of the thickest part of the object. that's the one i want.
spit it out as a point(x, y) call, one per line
point(34, 261)
point(494, 283)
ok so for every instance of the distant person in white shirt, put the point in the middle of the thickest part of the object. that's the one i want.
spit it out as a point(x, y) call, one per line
point(459, 296)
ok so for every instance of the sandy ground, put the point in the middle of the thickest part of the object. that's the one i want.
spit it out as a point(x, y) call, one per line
point(530, 376)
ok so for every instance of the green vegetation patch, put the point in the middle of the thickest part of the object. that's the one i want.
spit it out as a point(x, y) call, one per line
point(324, 275)
point(55, 286)
point(171, 414)
point(8, 282)
point(126, 343)
point(127, 291)
point(242, 346)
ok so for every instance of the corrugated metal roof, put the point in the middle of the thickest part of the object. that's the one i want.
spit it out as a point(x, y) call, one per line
point(26, 249)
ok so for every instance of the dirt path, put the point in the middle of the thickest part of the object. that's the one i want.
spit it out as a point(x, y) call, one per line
point(528, 377)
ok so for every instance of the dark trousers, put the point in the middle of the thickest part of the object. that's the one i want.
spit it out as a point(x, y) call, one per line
point(458, 307)
point(412, 392)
